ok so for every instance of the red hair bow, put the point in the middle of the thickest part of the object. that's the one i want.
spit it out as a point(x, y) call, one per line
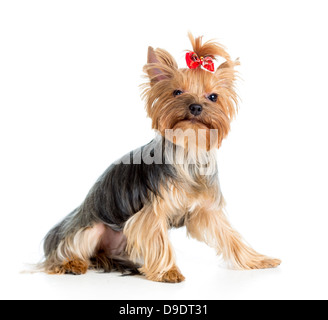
point(193, 61)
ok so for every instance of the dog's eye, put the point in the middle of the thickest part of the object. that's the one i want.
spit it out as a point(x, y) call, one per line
point(177, 93)
point(213, 97)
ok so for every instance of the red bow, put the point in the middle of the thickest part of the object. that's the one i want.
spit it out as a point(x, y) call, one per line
point(193, 61)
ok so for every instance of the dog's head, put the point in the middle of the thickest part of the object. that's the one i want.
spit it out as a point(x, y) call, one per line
point(191, 98)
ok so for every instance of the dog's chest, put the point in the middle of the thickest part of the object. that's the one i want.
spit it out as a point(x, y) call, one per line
point(182, 200)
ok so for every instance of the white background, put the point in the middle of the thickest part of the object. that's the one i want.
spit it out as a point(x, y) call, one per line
point(70, 105)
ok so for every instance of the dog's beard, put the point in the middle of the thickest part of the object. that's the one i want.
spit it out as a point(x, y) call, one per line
point(193, 134)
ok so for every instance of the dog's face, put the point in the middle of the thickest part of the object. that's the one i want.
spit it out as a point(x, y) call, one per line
point(189, 98)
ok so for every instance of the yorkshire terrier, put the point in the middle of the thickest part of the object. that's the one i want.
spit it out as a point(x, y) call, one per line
point(169, 183)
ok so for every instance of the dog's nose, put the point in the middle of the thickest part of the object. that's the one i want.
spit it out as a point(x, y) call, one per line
point(195, 109)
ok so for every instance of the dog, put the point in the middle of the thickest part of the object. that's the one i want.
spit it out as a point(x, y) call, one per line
point(171, 182)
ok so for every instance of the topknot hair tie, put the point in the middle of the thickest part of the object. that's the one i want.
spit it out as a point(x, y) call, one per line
point(193, 61)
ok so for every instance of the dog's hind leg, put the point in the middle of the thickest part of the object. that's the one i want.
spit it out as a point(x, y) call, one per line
point(95, 247)
point(73, 253)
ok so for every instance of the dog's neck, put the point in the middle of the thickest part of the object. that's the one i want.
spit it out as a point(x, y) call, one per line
point(193, 165)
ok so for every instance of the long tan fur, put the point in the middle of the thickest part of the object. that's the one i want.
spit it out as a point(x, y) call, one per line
point(186, 193)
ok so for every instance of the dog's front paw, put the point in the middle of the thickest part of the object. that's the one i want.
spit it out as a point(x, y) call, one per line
point(172, 276)
point(265, 263)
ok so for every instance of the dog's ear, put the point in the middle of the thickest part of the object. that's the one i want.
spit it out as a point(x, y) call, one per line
point(226, 73)
point(229, 64)
point(160, 65)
